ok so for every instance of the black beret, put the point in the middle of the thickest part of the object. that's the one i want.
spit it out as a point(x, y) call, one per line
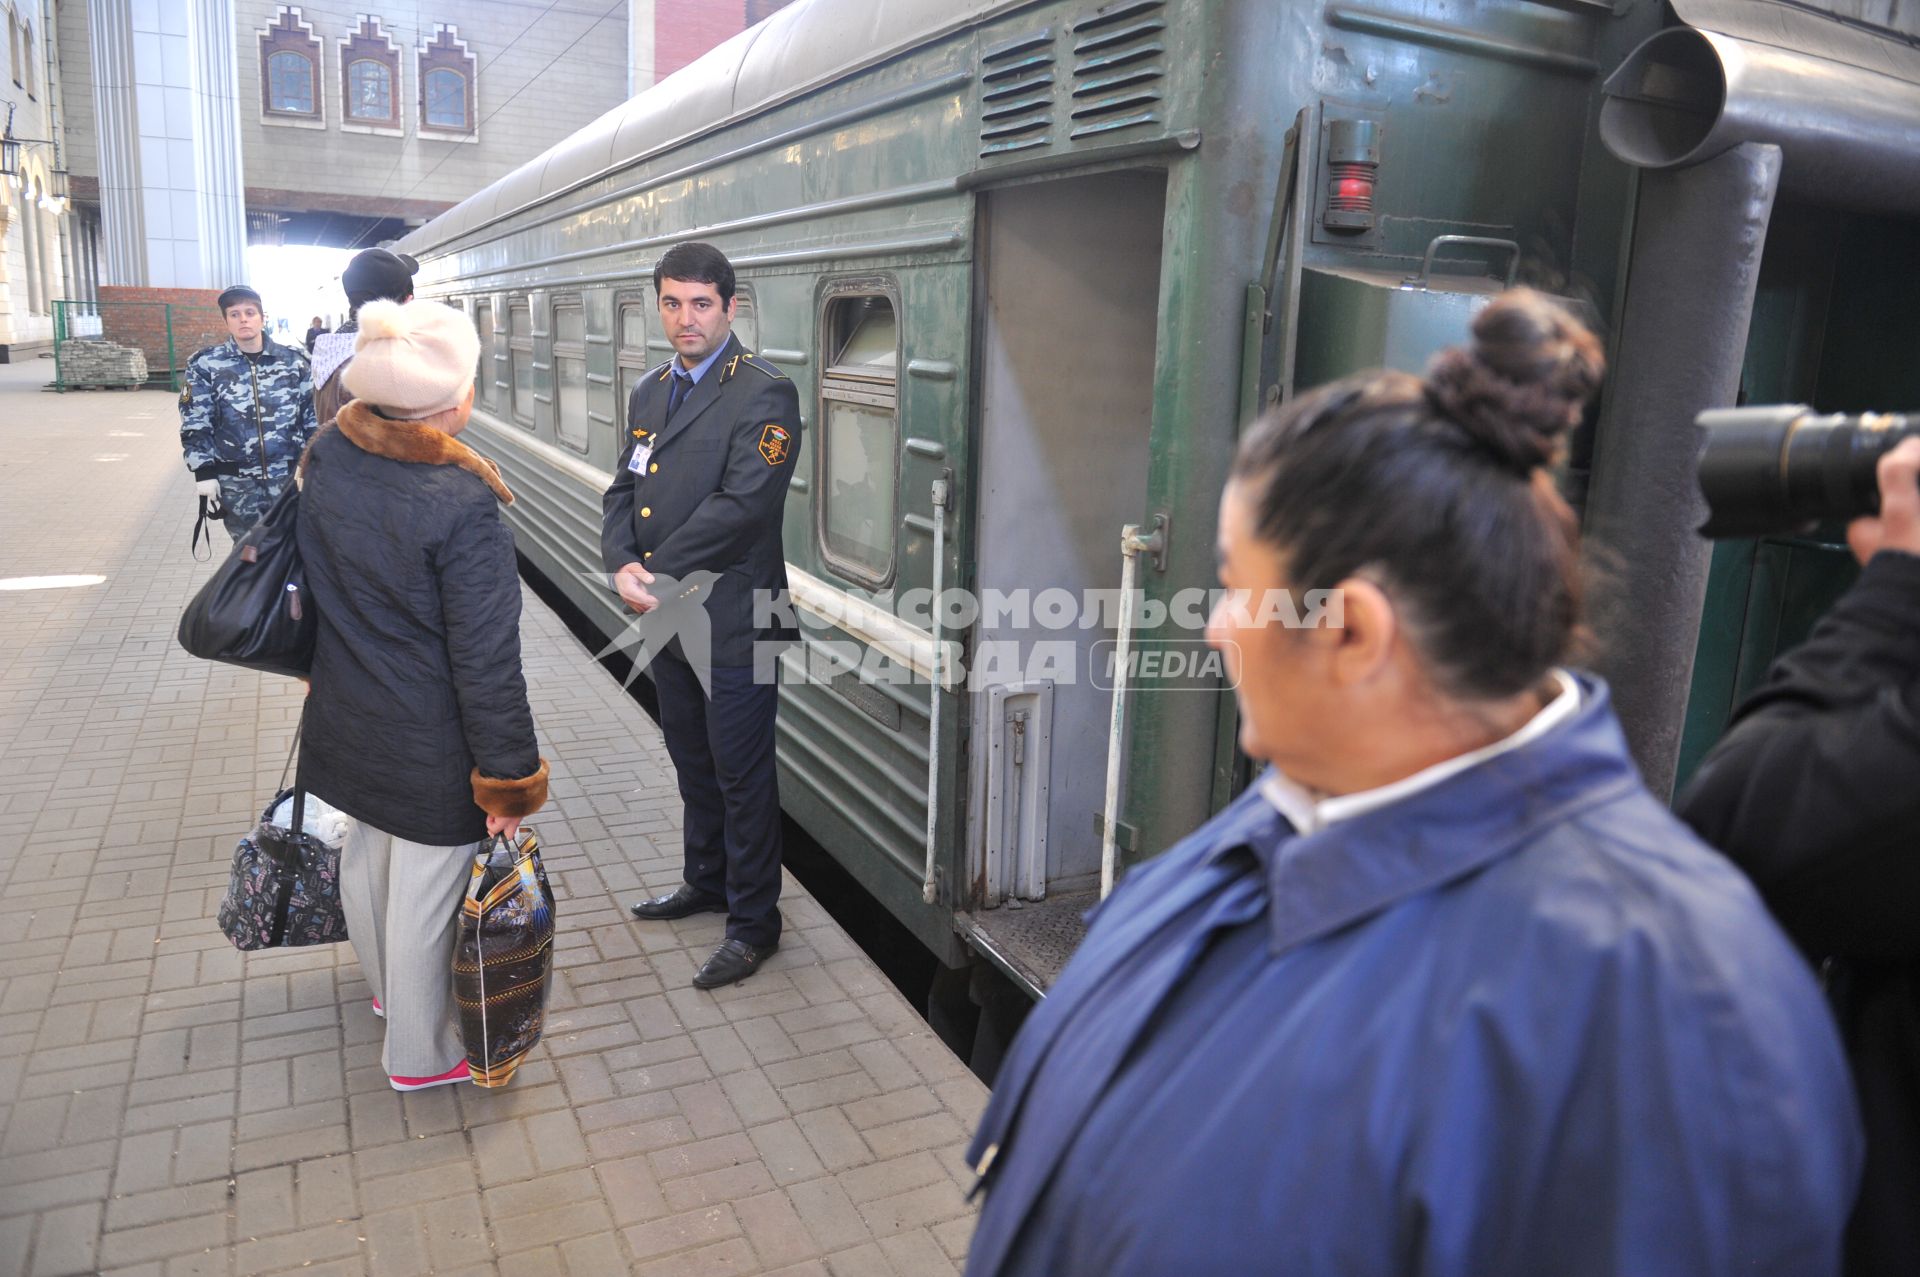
point(378, 272)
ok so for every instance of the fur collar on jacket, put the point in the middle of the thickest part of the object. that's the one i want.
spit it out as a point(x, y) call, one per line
point(417, 442)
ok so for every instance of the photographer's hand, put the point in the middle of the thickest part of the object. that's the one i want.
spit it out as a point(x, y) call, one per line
point(1897, 526)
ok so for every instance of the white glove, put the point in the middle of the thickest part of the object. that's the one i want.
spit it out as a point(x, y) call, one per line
point(208, 488)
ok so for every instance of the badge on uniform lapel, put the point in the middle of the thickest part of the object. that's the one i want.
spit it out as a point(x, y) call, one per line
point(774, 442)
point(186, 397)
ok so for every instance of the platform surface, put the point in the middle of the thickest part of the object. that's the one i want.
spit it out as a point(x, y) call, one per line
point(171, 1107)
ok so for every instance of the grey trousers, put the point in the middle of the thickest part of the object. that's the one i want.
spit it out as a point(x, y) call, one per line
point(402, 902)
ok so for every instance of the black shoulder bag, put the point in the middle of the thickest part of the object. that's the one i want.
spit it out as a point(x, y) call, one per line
point(254, 611)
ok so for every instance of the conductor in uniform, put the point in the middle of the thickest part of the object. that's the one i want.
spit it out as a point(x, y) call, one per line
point(692, 520)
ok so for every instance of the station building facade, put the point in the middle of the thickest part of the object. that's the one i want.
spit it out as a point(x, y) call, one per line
point(180, 131)
point(37, 254)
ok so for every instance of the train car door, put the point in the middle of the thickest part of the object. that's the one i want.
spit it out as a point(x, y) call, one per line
point(1065, 334)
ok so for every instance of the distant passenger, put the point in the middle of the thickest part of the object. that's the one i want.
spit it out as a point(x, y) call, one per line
point(417, 725)
point(245, 414)
point(1447, 992)
point(697, 502)
point(373, 275)
point(317, 327)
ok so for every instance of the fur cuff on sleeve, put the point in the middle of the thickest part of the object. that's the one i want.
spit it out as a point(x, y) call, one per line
point(511, 798)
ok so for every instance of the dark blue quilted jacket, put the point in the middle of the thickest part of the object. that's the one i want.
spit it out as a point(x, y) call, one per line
point(416, 668)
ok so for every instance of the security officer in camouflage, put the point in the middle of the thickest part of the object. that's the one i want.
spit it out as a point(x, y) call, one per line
point(246, 414)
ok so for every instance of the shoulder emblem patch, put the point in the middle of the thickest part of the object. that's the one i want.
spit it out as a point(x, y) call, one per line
point(186, 396)
point(775, 442)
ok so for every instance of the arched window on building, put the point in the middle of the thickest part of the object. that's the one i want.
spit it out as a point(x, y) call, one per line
point(290, 83)
point(13, 43)
point(369, 90)
point(449, 103)
point(290, 86)
point(446, 99)
point(370, 80)
point(26, 59)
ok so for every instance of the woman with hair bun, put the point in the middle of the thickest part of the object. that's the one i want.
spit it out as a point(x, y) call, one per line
point(1447, 992)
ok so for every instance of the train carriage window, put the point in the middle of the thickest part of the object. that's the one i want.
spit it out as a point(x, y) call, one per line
point(520, 346)
point(483, 375)
point(859, 438)
point(745, 325)
point(570, 372)
point(631, 352)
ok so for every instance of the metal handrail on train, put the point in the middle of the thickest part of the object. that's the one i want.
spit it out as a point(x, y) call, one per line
point(928, 888)
point(1132, 546)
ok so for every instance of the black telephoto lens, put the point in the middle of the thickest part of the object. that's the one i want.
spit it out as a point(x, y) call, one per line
point(1787, 469)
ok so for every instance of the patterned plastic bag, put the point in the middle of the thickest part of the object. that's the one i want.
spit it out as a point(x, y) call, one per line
point(285, 886)
point(503, 959)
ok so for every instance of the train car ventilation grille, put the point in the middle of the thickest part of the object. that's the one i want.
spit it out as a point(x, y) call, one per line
point(1016, 94)
point(1119, 67)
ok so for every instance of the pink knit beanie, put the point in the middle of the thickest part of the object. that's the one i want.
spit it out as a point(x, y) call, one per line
point(412, 359)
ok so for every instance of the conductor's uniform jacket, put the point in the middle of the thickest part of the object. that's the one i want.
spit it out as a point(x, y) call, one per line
point(698, 501)
point(709, 493)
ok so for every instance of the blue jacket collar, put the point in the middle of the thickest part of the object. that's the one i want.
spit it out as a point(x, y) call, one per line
point(1319, 883)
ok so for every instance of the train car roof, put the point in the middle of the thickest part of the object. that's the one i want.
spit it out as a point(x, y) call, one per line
point(800, 47)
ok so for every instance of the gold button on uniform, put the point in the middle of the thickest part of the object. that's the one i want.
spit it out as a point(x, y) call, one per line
point(647, 555)
point(646, 512)
point(654, 468)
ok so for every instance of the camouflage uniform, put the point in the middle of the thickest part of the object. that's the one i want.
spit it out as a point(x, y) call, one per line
point(245, 422)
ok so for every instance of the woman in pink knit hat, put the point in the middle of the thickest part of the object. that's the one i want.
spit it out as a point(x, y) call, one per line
point(417, 725)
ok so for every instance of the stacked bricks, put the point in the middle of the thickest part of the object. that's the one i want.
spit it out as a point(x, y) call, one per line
point(197, 321)
point(101, 363)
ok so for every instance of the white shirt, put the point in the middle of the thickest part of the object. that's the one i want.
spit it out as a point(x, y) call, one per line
point(1308, 811)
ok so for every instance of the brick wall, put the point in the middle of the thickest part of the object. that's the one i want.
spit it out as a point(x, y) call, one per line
point(685, 29)
point(196, 321)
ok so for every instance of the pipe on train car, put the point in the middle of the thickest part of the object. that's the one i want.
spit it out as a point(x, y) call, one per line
point(1746, 99)
point(1683, 335)
point(1841, 102)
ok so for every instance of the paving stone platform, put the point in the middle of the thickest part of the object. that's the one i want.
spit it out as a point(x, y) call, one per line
point(171, 1107)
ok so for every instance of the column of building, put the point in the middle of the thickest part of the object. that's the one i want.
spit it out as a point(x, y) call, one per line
point(173, 220)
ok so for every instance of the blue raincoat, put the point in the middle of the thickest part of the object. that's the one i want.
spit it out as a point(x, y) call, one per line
point(1518, 1023)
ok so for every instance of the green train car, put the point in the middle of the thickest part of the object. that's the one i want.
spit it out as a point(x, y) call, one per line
point(1034, 264)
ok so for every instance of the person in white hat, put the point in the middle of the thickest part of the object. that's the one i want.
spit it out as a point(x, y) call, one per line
point(417, 724)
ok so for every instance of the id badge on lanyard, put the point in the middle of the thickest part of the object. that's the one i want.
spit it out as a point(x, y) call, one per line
point(638, 462)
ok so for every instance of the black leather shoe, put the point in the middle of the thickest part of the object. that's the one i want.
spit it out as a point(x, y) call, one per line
point(731, 963)
point(681, 903)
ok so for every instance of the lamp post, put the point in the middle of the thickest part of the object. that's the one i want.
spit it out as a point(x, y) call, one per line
point(53, 200)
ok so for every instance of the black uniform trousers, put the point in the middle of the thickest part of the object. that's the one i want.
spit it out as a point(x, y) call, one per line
point(722, 751)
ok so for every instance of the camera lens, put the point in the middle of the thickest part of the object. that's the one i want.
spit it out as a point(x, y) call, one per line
point(1788, 469)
